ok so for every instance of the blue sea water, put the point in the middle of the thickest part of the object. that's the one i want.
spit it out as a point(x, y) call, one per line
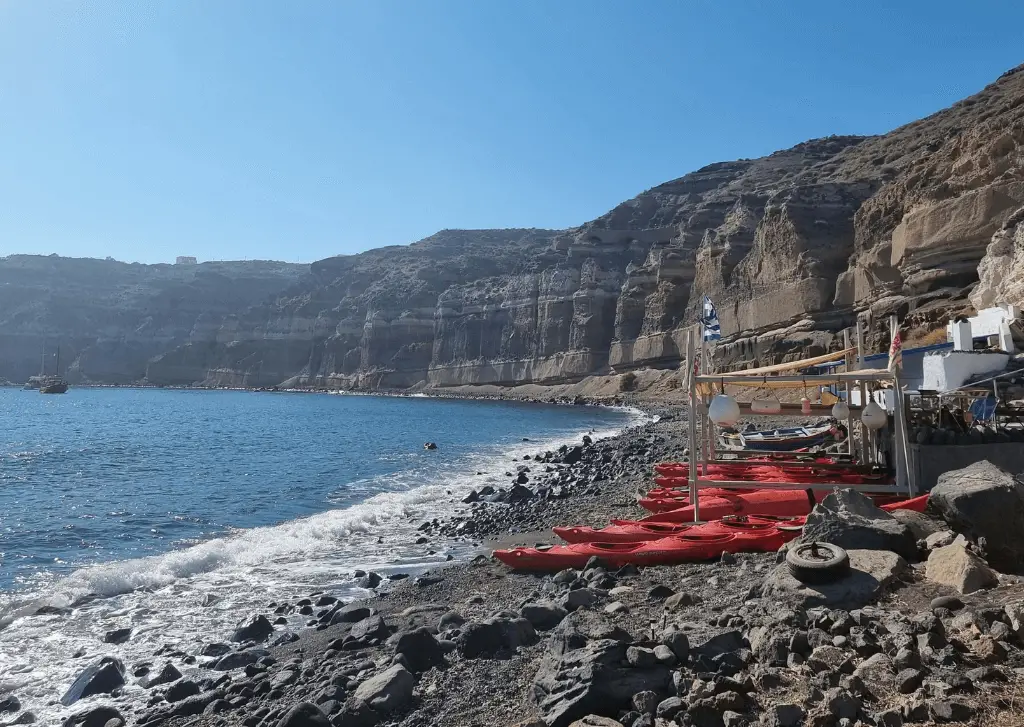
point(175, 512)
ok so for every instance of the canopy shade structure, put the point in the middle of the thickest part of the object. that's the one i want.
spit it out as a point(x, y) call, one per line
point(792, 365)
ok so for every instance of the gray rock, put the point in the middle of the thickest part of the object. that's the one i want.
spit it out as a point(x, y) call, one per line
point(420, 649)
point(579, 598)
point(908, 680)
point(9, 703)
point(641, 658)
point(877, 672)
point(950, 711)
point(783, 715)
point(852, 521)
point(646, 702)
point(940, 539)
point(388, 691)
point(665, 655)
point(544, 615)
point(841, 703)
point(956, 566)
point(372, 627)
point(593, 720)
point(680, 600)
point(100, 678)
point(983, 501)
point(351, 613)
point(592, 679)
point(921, 524)
point(492, 635)
point(117, 636)
point(678, 642)
point(616, 607)
point(239, 659)
point(97, 716)
point(952, 603)
point(181, 690)
point(166, 675)
point(304, 714)
point(659, 592)
point(215, 649)
point(871, 571)
point(829, 659)
point(257, 629)
point(769, 646)
point(450, 620)
point(669, 708)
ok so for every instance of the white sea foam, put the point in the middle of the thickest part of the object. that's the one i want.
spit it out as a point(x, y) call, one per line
point(198, 593)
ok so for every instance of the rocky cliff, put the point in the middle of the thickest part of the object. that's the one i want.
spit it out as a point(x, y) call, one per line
point(792, 248)
point(109, 318)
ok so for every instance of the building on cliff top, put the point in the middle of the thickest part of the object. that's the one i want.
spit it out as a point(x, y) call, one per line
point(185, 260)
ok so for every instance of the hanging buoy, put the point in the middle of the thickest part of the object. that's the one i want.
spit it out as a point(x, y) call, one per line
point(873, 416)
point(766, 406)
point(805, 406)
point(724, 411)
point(840, 411)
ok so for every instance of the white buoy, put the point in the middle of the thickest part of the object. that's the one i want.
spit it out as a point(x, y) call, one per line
point(766, 406)
point(840, 410)
point(873, 416)
point(724, 411)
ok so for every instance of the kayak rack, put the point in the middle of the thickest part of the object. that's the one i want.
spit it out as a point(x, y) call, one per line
point(702, 384)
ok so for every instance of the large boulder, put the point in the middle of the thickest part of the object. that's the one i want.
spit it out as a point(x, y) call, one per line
point(983, 501)
point(258, 628)
point(871, 571)
point(100, 678)
point(494, 634)
point(852, 521)
point(954, 565)
point(594, 679)
point(420, 649)
point(388, 691)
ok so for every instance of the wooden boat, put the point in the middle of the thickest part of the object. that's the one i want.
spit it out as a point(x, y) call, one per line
point(54, 384)
point(789, 439)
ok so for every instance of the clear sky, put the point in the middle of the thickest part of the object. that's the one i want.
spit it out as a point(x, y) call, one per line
point(300, 129)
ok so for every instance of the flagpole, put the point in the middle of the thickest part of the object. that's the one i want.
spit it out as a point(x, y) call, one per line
point(902, 441)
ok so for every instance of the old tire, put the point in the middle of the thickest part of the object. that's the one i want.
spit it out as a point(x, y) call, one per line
point(817, 562)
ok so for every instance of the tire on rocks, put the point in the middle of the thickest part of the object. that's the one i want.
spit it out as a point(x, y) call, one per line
point(816, 562)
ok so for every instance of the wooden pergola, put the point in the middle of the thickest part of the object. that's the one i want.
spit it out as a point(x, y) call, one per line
point(703, 385)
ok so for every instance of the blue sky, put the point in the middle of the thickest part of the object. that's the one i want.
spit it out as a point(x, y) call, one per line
point(298, 130)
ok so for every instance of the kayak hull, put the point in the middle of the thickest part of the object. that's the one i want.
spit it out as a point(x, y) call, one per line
point(632, 531)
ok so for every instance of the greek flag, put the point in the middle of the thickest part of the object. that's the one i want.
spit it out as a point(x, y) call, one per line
point(709, 320)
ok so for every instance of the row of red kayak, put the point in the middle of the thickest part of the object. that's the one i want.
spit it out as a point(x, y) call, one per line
point(733, 520)
point(642, 543)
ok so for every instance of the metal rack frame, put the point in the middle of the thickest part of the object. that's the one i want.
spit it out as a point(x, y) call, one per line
point(702, 432)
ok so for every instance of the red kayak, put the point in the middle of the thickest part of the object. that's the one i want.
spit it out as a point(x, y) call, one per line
point(642, 532)
point(635, 531)
point(780, 503)
point(700, 542)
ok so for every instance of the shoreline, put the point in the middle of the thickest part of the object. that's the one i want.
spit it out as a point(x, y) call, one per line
point(465, 542)
point(468, 643)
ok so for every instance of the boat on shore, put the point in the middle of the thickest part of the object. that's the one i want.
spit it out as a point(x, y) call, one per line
point(789, 439)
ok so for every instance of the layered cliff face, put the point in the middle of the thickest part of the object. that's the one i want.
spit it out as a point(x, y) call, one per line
point(109, 318)
point(792, 248)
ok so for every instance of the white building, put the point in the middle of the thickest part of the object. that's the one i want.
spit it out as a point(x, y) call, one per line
point(185, 260)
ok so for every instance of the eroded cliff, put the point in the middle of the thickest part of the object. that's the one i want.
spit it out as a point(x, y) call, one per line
point(109, 318)
point(792, 248)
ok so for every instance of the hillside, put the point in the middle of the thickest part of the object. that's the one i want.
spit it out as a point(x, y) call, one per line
point(109, 318)
point(793, 247)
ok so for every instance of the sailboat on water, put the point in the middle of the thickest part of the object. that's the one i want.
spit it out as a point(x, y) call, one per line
point(54, 384)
